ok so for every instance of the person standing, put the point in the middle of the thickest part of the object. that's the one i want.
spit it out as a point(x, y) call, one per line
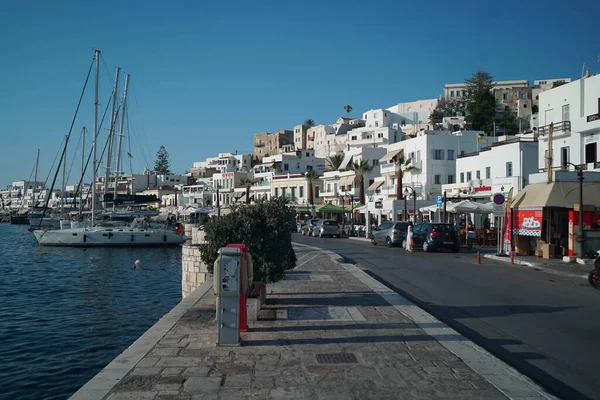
point(409, 238)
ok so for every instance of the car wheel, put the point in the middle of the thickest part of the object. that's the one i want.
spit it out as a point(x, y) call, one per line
point(426, 247)
point(373, 242)
point(388, 241)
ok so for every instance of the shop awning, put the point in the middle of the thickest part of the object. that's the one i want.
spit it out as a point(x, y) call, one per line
point(389, 156)
point(329, 208)
point(556, 194)
point(345, 162)
point(347, 180)
point(237, 195)
point(375, 185)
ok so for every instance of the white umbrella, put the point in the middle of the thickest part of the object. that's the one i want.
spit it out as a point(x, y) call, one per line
point(432, 208)
point(486, 208)
point(465, 206)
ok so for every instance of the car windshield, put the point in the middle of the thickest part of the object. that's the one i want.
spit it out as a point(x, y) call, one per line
point(402, 226)
point(444, 228)
point(330, 223)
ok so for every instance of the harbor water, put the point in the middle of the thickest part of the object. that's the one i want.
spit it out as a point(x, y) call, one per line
point(65, 313)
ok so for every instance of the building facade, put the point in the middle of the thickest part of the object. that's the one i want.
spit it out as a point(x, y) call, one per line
point(266, 144)
point(498, 168)
point(574, 111)
point(295, 188)
point(432, 156)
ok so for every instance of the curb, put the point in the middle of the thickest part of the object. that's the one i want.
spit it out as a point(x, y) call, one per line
point(502, 376)
point(534, 265)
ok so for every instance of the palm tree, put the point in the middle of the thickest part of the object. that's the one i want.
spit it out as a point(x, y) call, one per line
point(332, 163)
point(361, 169)
point(403, 165)
point(311, 176)
point(309, 122)
point(247, 183)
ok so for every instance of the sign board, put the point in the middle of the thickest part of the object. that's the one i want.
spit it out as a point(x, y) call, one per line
point(499, 199)
point(378, 204)
point(595, 117)
point(528, 222)
point(440, 201)
point(499, 211)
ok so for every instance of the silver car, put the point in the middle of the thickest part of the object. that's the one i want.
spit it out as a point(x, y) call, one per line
point(327, 227)
point(390, 232)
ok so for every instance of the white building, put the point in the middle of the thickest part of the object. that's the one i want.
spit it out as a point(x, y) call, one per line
point(137, 183)
point(20, 194)
point(574, 110)
point(295, 188)
point(372, 137)
point(199, 195)
point(459, 90)
point(414, 115)
point(226, 162)
point(498, 168)
point(344, 182)
point(226, 182)
point(433, 156)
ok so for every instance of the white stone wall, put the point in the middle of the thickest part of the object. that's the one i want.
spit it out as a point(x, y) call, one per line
point(194, 272)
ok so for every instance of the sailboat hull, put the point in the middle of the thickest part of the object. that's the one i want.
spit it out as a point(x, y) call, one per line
point(97, 237)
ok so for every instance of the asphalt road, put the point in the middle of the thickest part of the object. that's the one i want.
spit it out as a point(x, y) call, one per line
point(546, 326)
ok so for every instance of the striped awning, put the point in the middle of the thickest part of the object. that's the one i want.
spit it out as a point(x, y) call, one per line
point(375, 185)
point(347, 180)
point(389, 156)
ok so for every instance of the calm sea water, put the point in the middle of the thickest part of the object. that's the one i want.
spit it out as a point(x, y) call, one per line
point(65, 313)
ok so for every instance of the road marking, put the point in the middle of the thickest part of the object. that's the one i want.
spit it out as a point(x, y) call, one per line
point(505, 378)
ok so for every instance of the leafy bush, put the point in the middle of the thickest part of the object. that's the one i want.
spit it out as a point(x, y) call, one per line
point(264, 227)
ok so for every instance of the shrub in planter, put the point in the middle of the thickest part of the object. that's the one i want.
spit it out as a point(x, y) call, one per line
point(264, 227)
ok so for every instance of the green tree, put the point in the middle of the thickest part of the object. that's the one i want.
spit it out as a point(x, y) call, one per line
point(448, 108)
point(311, 176)
point(264, 227)
point(162, 164)
point(403, 166)
point(481, 103)
point(332, 163)
point(508, 122)
point(361, 169)
point(247, 183)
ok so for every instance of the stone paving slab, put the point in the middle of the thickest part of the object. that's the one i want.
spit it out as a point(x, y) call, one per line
point(381, 353)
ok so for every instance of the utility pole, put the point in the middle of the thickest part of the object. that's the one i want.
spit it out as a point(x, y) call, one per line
point(581, 238)
point(444, 214)
point(550, 150)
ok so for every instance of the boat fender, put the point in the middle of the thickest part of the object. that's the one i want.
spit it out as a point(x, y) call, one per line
point(165, 238)
point(84, 238)
point(135, 264)
point(179, 229)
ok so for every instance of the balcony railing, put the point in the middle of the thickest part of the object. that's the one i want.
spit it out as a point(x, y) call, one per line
point(560, 128)
point(390, 168)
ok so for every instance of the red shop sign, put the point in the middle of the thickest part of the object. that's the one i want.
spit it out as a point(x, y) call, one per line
point(482, 189)
point(528, 222)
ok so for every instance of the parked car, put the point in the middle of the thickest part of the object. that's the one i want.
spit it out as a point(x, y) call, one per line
point(434, 236)
point(390, 232)
point(327, 227)
point(310, 225)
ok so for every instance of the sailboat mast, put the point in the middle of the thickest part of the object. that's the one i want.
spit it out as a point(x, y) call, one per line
point(64, 178)
point(94, 138)
point(82, 170)
point(111, 132)
point(123, 110)
point(37, 161)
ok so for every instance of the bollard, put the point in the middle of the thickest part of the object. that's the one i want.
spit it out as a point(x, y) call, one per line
point(478, 257)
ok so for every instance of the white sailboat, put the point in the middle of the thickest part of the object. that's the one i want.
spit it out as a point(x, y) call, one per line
point(95, 236)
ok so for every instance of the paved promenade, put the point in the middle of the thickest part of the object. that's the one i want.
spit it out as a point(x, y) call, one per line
point(331, 332)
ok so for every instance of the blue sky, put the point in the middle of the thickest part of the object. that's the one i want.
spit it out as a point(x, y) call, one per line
point(206, 76)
